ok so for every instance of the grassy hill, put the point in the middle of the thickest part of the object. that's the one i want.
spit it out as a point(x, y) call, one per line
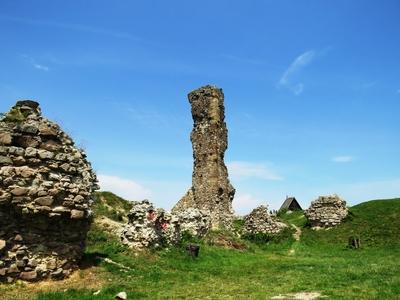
point(319, 262)
point(111, 206)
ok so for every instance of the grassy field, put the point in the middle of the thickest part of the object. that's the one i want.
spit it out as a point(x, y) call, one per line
point(231, 268)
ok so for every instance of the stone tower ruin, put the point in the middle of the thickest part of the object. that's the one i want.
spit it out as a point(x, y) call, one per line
point(46, 188)
point(211, 190)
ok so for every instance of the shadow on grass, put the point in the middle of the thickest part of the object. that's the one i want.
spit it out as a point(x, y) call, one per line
point(92, 260)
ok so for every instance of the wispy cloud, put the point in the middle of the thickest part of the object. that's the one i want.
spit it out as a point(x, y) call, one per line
point(34, 64)
point(40, 67)
point(299, 63)
point(343, 159)
point(243, 170)
point(125, 188)
point(69, 26)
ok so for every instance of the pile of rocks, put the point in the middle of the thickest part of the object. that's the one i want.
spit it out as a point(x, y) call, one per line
point(211, 190)
point(194, 221)
point(326, 211)
point(149, 226)
point(152, 227)
point(260, 221)
point(46, 188)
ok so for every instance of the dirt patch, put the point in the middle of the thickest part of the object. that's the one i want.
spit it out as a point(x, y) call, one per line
point(222, 240)
point(109, 225)
point(85, 279)
point(300, 296)
point(297, 234)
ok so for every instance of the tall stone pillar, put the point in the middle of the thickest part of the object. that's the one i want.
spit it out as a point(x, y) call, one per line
point(211, 190)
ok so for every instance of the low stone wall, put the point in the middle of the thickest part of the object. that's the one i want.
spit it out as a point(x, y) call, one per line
point(260, 221)
point(46, 187)
point(326, 211)
point(149, 226)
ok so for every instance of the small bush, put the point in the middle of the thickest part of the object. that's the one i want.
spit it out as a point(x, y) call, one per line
point(265, 238)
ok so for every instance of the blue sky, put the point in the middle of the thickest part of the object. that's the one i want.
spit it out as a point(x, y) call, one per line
point(312, 91)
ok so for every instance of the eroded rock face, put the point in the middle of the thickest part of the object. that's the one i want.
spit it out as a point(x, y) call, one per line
point(260, 221)
point(149, 226)
point(46, 188)
point(326, 211)
point(211, 190)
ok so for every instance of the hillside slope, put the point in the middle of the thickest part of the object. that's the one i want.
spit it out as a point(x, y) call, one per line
point(321, 263)
point(376, 223)
point(111, 206)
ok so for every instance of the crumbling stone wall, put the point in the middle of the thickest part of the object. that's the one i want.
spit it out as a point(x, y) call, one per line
point(211, 190)
point(46, 187)
point(149, 226)
point(260, 221)
point(326, 211)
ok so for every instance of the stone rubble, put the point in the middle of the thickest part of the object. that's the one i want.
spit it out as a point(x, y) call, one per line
point(211, 190)
point(153, 227)
point(260, 221)
point(194, 221)
point(326, 211)
point(46, 188)
point(149, 226)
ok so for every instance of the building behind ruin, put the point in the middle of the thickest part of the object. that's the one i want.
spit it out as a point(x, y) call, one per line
point(290, 204)
point(46, 188)
point(211, 190)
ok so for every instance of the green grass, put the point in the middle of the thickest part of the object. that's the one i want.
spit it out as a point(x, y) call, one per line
point(110, 205)
point(296, 217)
point(322, 262)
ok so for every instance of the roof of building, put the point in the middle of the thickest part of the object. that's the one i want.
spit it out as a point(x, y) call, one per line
point(289, 203)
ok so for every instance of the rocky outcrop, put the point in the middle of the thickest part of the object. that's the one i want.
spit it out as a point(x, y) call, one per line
point(326, 211)
point(211, 190)
point(260, 221)
point(46, 187)
point(149, 226)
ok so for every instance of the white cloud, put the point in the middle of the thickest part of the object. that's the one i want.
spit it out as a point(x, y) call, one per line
point(244, 203)
point(125, 188)
point(343, 159)
point(41, 67)
point(300, 62)
point(242, 170)
point(34, 64)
